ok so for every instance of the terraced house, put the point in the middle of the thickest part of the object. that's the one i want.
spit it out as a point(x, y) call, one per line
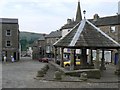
point(50, 40)
point(9, 38)
point(39, 48)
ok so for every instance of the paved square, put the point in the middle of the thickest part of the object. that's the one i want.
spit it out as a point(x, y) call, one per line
point(21, 75)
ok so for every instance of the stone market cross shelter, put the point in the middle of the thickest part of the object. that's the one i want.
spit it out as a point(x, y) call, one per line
point(85, 35)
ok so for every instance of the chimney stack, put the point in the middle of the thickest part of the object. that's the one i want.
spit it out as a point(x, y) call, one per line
point(96, 17)
point(69, 21)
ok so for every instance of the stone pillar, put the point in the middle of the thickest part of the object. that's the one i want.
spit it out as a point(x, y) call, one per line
point(83, 60)
point(59, 52)
point(61, 63)
point(72, 60)
point(118, 64)
point(97, 65)
point(91, 57)
point(113, 56)
point(74, 57)
point(103, 61)
point(55, 54)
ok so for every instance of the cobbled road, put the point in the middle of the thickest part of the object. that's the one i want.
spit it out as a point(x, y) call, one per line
point(21, 75)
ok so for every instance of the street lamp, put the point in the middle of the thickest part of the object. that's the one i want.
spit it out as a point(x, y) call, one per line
point(84, 12)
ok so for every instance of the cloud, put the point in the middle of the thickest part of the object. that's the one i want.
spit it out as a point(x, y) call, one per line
point(48, 15)
point(2, 4)
point(93, 2)
point(36, 17)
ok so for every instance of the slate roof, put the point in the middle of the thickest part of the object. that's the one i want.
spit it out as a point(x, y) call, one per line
point(104, 21)
point(8, 21)
point(54, 34)
point(86, 35)
point(111, 20)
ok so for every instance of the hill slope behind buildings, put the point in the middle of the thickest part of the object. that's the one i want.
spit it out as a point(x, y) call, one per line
point(27, 39)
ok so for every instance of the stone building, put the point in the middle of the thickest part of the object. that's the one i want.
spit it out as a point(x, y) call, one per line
point(39, 48)
point(43, 47)
point(9, 38)
point(50, 40)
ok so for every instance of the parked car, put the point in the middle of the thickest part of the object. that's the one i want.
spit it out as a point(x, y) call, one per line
point(67, 63)
point(58, 60)
point(43, 60)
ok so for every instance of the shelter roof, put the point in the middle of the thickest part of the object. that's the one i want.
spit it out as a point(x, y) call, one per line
point(86, 35)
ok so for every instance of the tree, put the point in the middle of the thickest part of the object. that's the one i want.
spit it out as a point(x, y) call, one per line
point(24, 44)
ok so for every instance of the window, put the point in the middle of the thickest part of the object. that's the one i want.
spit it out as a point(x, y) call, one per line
point(51, 41)
point(47, 49)
point(8, 33)
point(112, 29)
point(47, 40)
point(8, 44)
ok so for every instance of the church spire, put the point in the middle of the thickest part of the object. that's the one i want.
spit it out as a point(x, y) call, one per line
point(78, 14)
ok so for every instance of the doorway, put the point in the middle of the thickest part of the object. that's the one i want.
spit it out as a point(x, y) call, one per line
point(14, 55)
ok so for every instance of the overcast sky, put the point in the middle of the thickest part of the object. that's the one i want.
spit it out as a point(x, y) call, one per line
point(44, 16)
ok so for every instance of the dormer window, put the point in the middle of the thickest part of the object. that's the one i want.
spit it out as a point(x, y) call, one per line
point(8, 33)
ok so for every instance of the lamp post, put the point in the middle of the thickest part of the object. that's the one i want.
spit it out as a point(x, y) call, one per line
point(84, 12)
